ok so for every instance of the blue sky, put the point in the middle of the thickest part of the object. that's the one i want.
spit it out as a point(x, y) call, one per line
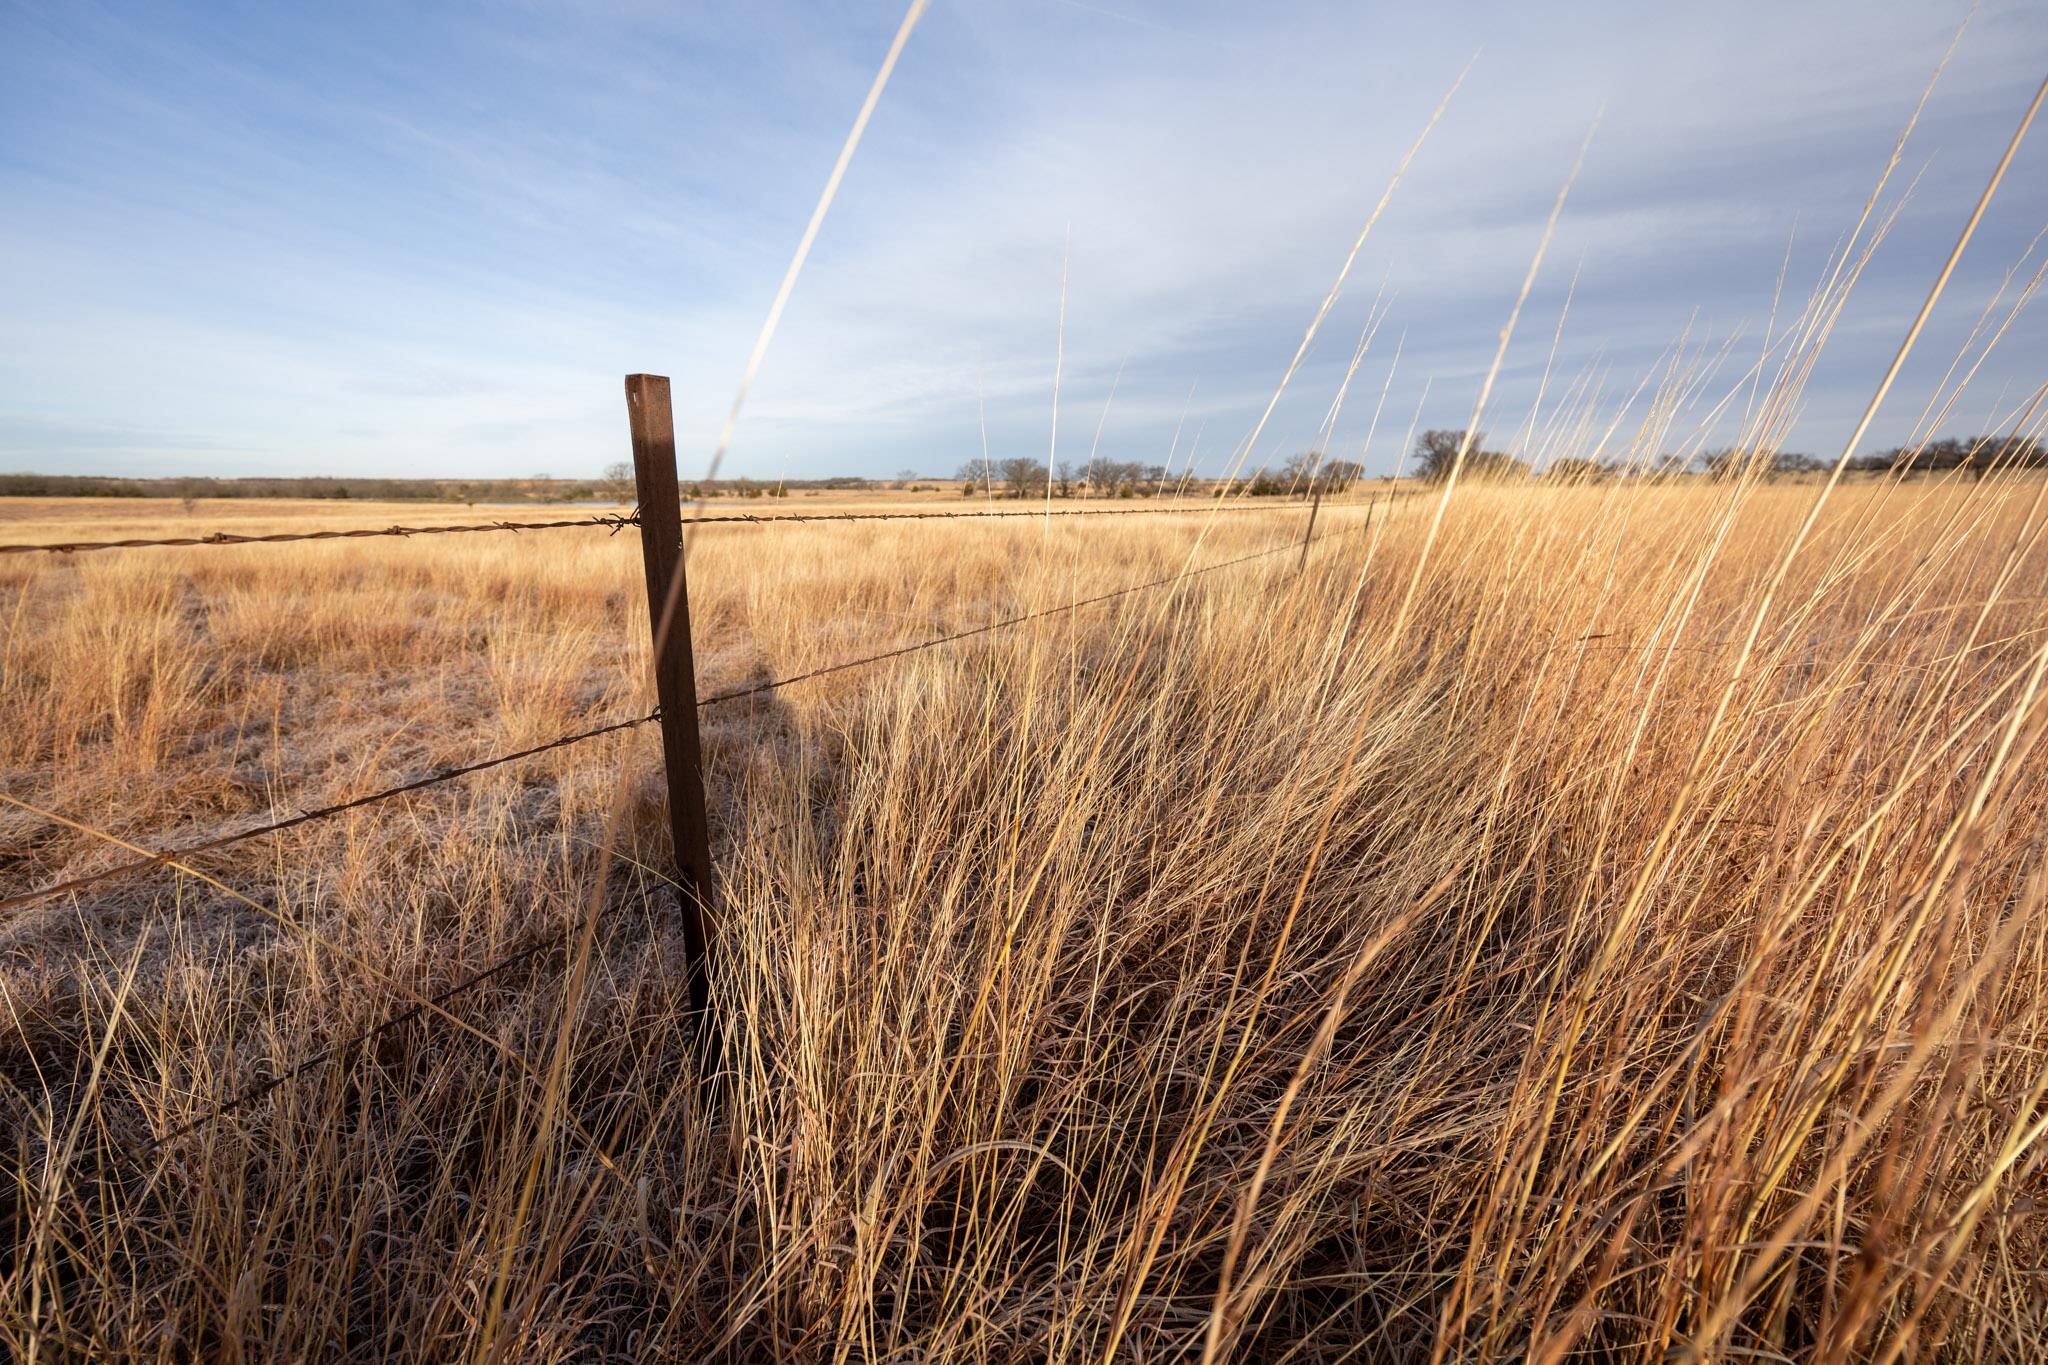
point(428, 239)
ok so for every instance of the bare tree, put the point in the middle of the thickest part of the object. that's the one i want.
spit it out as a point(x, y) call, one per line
point(1338, 475)
point(1301, 470)
point(978, 476)
point(1437, 453)
point(1572, 469)
point(618, 481)
point(1022, 476)
point(1102, 475)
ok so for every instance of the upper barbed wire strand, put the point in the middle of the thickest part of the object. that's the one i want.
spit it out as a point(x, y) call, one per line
point(616, 522)
point(536, 941)
point(449, 774)
point(619, 522)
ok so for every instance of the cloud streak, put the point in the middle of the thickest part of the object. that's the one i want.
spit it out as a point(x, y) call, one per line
point(391, 239)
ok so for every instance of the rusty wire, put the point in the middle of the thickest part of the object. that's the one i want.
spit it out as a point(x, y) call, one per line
point(616, 522)
point(177, 855)
point(537, 940)
point(532, 944)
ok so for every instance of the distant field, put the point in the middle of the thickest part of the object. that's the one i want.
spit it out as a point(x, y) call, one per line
point(1477, 943)
point(77, 518)
point(47, 520)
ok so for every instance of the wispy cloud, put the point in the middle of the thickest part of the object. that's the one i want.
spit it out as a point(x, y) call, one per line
point(388, 239)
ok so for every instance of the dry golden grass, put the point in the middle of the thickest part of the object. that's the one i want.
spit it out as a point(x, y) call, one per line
point(1264, 968)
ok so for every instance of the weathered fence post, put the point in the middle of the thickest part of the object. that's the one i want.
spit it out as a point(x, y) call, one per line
point(675, 675)
point(1315, 506)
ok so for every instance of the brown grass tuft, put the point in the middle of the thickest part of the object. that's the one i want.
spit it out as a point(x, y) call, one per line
point(1220, 954)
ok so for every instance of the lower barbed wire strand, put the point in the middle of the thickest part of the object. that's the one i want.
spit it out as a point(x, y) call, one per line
point(450, 774)
point(534, 943)
point(539, 939)
point(322, 813)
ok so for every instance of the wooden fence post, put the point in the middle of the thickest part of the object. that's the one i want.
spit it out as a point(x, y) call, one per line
point(675, 676)
point(1306, 536)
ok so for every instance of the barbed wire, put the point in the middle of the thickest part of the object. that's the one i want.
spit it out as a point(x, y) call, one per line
point(322, 813)
point(184, 852)
point(617, 522)
point(758, 688)
point(537, 940)
point(533, 944)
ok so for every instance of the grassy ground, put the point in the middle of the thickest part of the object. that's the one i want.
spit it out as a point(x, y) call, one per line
point(1473, 946)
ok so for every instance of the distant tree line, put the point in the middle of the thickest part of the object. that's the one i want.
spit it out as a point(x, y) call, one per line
point(91, 486)
point(616, 484)
point(1731, 462)
point(1023, 477)
point(1437, 453)
point(1977, 454)
point(1307, 473)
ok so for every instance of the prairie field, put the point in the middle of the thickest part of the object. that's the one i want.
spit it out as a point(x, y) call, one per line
point(1547, 922)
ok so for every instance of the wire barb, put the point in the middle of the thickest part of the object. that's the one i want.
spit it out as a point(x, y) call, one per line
point(759, 688)
point(615, 521)
point(248, 1095)
point(177, 855)
point(536, 941)
point(184, 852)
